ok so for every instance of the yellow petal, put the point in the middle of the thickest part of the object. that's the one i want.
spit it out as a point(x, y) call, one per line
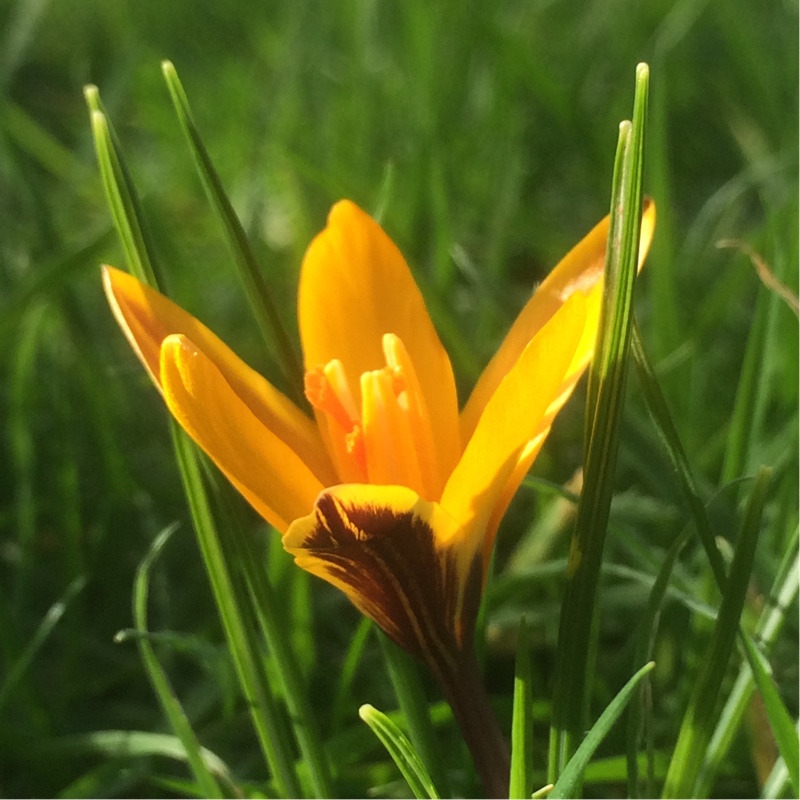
point(380, 546)
point(580, 270)
point(355, 286)
point(272, 477)
point(516, 414)
point(147, 318)
point(526, 458)
point(580, 359)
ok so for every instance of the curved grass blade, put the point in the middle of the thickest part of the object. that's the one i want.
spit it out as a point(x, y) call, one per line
point(699, 718)
point(45, 282)
point(170, 704)
point(638, 716)
point(521, 781)
point(264, 310)
point(665, 427)
point(401, 750)
point(735, 706)
point(781, 723)
point(569, 782)
point(54, 614)
point(139, 744)
point(782, 594)
point(777, 784)
point(508, 586)
point(605, 400)
point(752, 391)
point(407, 685)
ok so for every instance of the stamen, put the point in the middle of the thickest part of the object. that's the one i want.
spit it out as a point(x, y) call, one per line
point(337, 378)
point(328, 392)
point(411, 399)
point(390, 442)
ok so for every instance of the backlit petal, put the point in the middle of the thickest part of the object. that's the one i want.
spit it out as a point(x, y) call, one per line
point(380, 546)
point(271, 475)
point(526, 458)
point(579, 360)
point(355, 287)
point(516, 414)
point(147, 318)
point(580, 270)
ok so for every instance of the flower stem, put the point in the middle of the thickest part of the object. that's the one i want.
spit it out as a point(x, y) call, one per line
point(469, 700)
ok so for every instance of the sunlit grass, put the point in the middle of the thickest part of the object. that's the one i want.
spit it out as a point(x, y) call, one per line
point(484, 134)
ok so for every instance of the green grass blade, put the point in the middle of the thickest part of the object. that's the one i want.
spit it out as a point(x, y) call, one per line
point(605, 400)
point(233, 603)
point(521, 782)
point(747, 392)
point(123, 201)
point(107, 780)
point(754, 390)
point(170, 704)
point(734, 709)
point(401, 750)
point(37, 141)
point(264, 310)
point(54, 614)
point(777, 784)
point(347, 673)
point(638, 716)
point(621, 262)
point(699, 718)
point(45, 282)
point(404, 674)
point(781, 723)
point(659, 413)
point(241, 549)
point(783, 593)
point(126, 744)
point(570, 779)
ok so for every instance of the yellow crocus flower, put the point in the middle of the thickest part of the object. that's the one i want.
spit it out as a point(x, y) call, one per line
point(388, 491)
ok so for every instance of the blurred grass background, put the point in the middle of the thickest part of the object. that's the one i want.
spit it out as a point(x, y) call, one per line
point(485, 135)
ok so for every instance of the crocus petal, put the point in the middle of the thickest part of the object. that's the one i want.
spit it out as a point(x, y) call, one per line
point(147, 318)
point(381, 546)
point(580, 270)
point(272, 477)
point(528, 454)
point(504, 498)
point(516, 414)
point(355, 287)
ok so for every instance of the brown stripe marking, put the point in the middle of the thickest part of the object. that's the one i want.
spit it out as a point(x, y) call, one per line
point(397, 577)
